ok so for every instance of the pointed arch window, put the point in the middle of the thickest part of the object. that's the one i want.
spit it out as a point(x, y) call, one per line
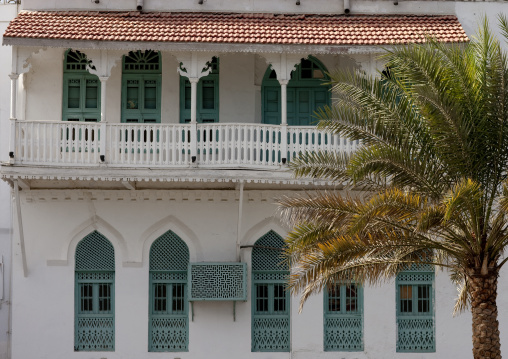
point(81, 90)
point(305, 94)
point(415, 310)
point(270, 299)
point(94, 294)
point(169, 307)
point(207, 96)
point(141, 87)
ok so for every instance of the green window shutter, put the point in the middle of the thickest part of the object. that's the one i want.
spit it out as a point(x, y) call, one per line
point(207, 107)
point(94, 294)
point(343, 318)
point(141, 87)
point(81, 90)
point(169, 307)
point(305, 94)
point(270, 299)
point(415, 310)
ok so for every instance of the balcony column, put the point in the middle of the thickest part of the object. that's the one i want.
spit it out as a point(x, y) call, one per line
point(194, 123)
point(283, 120)
point(103, 134)
point(13, 117)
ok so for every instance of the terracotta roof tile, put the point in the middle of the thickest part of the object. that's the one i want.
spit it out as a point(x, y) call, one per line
point(235, 27)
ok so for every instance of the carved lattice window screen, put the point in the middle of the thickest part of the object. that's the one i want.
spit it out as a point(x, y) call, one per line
point(169, 320)
point(95, 294)
point(270, 299)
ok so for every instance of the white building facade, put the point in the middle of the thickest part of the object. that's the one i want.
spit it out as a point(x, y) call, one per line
point(146, 145)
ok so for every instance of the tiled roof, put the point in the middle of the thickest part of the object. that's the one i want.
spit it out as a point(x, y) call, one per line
point(243, 28)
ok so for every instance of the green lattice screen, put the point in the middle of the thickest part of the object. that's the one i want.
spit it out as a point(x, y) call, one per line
point(343, 318)
point(95, 253)
point(218, 281)
point(415, 309)
point(168, 323)
point(270, 299)
point(95, 294)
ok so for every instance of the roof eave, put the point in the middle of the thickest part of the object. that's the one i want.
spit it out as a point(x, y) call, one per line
point(194, 46)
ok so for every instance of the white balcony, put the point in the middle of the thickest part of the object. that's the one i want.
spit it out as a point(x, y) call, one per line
point(214, 145)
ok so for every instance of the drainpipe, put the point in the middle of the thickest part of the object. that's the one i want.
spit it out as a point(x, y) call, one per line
point(20, 228)
point(346, 6)
point(239, 223)
point(139, 7)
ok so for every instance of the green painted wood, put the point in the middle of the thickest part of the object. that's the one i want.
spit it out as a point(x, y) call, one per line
point(218, 281)
point(81, 90)
point(168, 302)
point(141, 87)
point(270, 329)
point(305, 94)
point(415, 310)
point(343, 318)
point(94, 327)
point(207, 107)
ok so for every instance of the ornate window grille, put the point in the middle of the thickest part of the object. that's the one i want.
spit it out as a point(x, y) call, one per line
point(169, 319)
point(207, 96)
point(343, 318)
point(270, 299)
point(141, 87)
point(95, 294)
point(415, 310)
point(81, 90)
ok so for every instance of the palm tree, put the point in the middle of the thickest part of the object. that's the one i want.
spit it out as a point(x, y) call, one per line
point(427, 186)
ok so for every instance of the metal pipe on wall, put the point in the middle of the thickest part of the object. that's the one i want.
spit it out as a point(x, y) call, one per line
point(346, 6)
point(139, 7)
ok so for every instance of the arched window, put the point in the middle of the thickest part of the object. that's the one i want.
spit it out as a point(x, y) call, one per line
point(270, 299)
point(94, 294)
point(141, 87)
point(81, 90)
point(305, 94)
point(207, 107)
point(415, 309)
point(169, 308)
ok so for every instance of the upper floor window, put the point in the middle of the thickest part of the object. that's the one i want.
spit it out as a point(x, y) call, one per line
point(207, 106)
point(343, 318)
point(415, 310)
point(305, 94)
point(81, 90)
point(169, 308)
point(94, 294)
point(270, 299)
point(141, 87)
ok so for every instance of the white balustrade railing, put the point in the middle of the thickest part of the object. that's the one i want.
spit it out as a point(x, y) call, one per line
point(153, 145)
point(239, 144)
point(167, 145)
point(305, 138)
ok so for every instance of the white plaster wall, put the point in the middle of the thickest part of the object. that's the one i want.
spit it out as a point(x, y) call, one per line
point(259, 6)
point(7, 13)
point(207, 222)
point(239, 85)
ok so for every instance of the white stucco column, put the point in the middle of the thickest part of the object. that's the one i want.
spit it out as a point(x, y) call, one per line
point(283, 120)
point(103, 136)
point(194, 127)
point(13, 117)
point(193, 65)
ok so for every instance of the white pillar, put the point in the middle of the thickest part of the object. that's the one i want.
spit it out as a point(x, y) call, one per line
point(103, 134)
point(283, 120)
point(194, 127)
point(14, 90)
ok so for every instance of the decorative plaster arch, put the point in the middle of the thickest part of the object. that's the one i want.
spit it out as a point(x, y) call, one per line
point(96, 223)
point(259, 230)
point(170, 223)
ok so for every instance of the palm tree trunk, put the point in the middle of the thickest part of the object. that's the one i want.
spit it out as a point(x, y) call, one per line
point(483, 289)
